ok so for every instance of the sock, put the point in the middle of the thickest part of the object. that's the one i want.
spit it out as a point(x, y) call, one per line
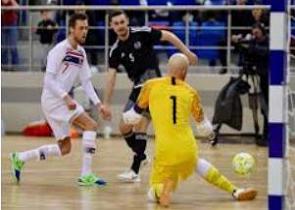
point(41, 153)
point(130, 139)
point(89, 147)
point(213, 176)
point(158, 188)
point(139, 149)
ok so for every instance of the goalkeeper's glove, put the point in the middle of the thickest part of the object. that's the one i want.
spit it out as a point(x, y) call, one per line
point(205, 129)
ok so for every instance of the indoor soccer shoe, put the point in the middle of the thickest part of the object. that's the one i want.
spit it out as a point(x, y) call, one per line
point(91, 180)
point(16, 166)
point(146, 161)
point(154, 193)
point(244, 194)
point(129, 176)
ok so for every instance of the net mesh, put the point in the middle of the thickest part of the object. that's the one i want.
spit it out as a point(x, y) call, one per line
point(290, 146)
point(290, 155)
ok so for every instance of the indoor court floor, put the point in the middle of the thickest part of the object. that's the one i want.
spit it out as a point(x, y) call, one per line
point(52, 184)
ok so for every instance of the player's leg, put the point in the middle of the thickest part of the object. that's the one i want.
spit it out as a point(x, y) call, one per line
point(63, 147)
point(89, 126)
point(211, 174)
point(163, 181)
point(140, 144)
point(136, 139)
point(165, 196)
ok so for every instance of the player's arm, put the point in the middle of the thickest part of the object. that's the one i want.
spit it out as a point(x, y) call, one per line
point(85, 78)
point(173, 39)
point(203, 125)
point(90, 92)
point(50, 82)
point(51, 85)
point(133, 116)
point(109, 87)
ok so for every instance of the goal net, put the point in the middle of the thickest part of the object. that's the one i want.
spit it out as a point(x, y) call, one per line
point(290, 144)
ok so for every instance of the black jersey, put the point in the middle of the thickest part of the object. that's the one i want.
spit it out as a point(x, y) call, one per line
point(136, 53)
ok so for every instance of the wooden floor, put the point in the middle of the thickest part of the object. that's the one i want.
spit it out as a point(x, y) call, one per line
point(52, 184)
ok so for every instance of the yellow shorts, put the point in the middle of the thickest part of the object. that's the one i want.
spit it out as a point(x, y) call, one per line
point(161, 172)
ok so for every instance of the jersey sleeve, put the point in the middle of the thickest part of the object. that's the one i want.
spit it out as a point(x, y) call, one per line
point(85, 73)
point(155, 35)
point(114, 60)
point(54, 60)
point(143, 98)
point(197, 109)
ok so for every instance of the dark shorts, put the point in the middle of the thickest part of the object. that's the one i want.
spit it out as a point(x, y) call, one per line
point(149, 74)
point(132, 100)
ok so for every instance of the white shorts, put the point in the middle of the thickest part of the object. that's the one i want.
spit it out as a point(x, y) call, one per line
point(60, 117)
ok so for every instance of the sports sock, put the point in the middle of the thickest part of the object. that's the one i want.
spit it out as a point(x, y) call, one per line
point(130, 139)
point(139, 149)
point(41, 153)
point(89, 147)
point(213, 176)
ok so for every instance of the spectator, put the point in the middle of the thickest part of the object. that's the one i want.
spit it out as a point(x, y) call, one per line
point(254, 49)
point(9, 34)
point(241, 19)
point(260, 16)
point(46, 30)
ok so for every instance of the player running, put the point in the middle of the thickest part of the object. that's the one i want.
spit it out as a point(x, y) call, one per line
point(66, 63)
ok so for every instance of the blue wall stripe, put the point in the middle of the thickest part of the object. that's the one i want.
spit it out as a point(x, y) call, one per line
point(277, 66)
point(277, 132)
point(278, 5)
point(275, 202)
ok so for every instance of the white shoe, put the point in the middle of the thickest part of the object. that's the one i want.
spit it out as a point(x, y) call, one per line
point(245, 194)
point(152, 196)
point(129, 176)
point(146, 161)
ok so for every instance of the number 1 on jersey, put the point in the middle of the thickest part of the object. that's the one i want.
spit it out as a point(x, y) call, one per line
point(173, 98)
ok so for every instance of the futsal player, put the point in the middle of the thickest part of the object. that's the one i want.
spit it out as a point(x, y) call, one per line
point(134, 50)
point(171, 101)
point(66, 63)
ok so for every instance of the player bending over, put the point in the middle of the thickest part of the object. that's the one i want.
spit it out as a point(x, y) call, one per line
point(171, 101)
point(66, 63)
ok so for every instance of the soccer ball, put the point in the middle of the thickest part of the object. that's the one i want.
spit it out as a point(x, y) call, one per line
point(243, 163)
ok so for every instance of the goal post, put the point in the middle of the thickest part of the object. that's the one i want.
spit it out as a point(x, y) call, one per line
point(277, 104)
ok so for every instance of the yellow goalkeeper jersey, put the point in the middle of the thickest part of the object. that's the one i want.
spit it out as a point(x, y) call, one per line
point(171, 103)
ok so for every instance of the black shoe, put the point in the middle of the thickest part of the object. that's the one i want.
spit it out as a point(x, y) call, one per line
point(214, 141)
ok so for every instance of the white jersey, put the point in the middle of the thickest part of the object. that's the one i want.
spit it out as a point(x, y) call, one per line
point(68, 65)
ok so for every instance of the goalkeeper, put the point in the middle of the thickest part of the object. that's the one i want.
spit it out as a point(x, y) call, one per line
point(171, 101)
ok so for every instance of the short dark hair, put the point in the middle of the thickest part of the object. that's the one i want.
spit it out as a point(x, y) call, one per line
point(76, 16)
point(116, 13)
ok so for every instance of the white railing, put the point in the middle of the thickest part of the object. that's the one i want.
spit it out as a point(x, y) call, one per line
point(141, 8)
point(145, 9)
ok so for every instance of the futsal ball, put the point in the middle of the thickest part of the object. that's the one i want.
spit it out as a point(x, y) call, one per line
point(243, 163)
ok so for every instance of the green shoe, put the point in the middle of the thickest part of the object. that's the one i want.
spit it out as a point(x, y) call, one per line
point(91, 180)
point(16, 166)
